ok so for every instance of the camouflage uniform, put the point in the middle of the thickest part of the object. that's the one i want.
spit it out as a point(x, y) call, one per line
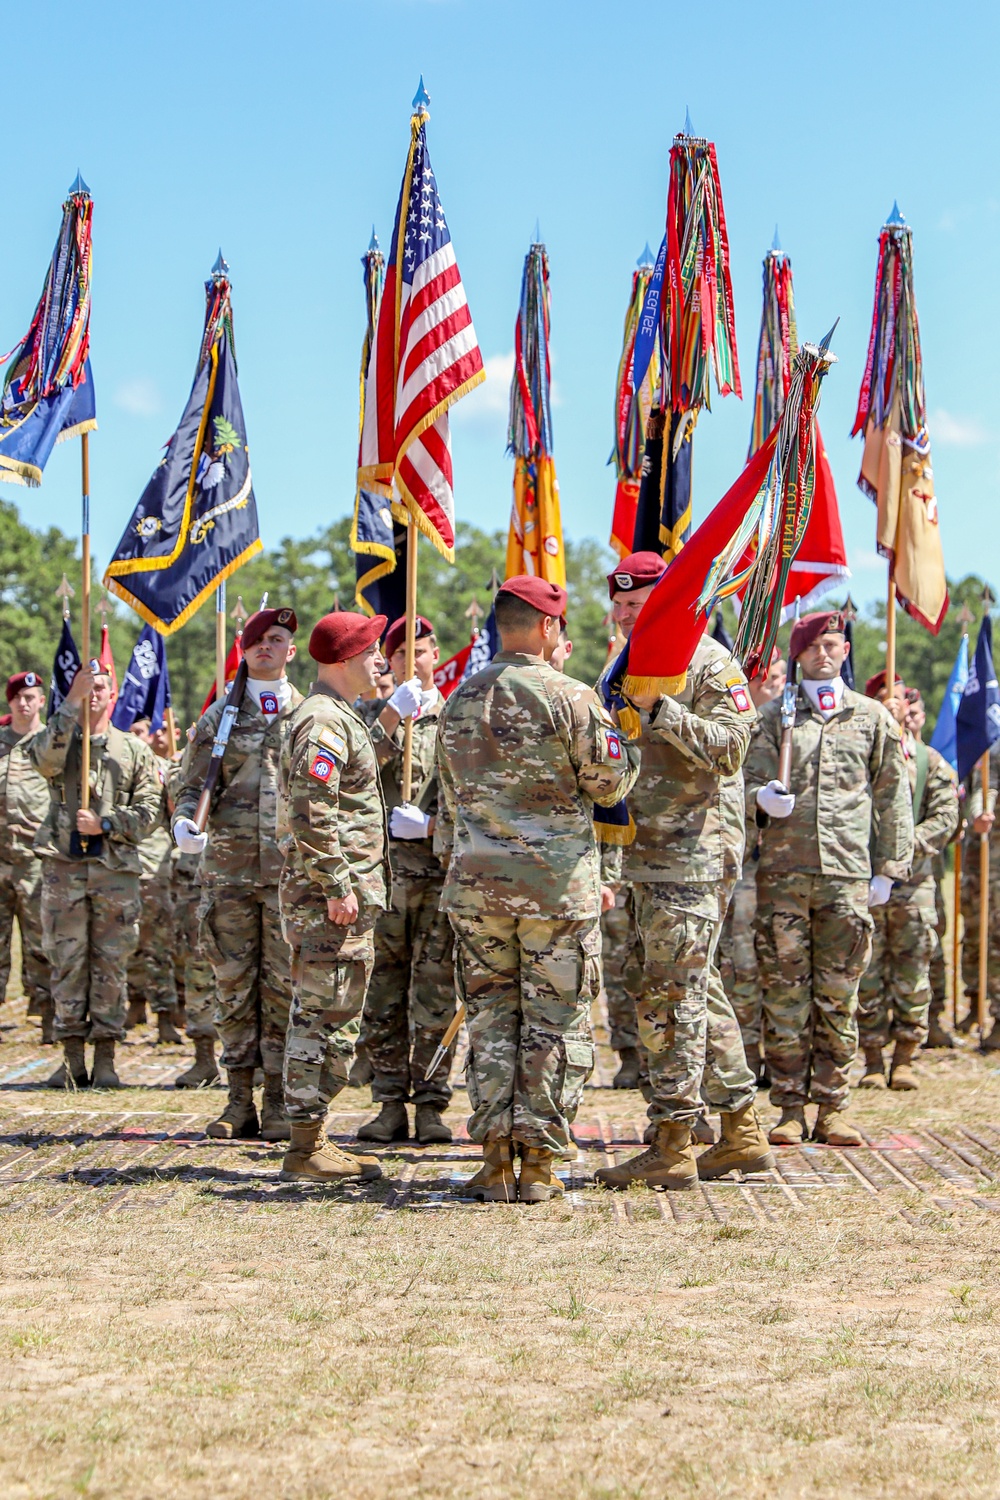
point(622, 973)
point(971, 890)
point(239, 925)
point(333, 836)
point(939, 980)
point(151, 967)
point(738, 962)
point(523, 752)
point(895, 992)
point(192, 972)
point(683, 865)
point(813, 926)
point(411, 997)
point(24, 803)
point(90, 907)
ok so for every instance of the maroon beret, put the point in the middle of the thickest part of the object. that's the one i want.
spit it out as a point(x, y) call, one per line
point(547, 598)
point(636, 571)
point(259, 624)
point(875, 684)
point(811, 627)
point(21, 680)
point(340, 636)
point(396, 634)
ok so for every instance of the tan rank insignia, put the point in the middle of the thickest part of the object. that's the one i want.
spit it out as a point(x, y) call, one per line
point(332, 740)
point(737, 690)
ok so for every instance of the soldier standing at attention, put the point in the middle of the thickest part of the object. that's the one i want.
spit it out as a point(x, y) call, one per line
point(683, 865)
point(981, 819)
point(151, 967)
point(831, 846)
point(523, 753)
point(895, 993)
point(24, 803)
point(334, 885)
point(198, 979)
point(90, 879)
point(239, 922)
point(411, 997)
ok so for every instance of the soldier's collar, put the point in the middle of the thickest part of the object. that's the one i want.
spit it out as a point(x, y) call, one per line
point(535, 661)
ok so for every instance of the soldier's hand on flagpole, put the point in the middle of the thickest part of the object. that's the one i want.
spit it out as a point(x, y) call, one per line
point(607, 898)
point(408, 822)
point(983, 823)
point(407, 698)
point(80, 688)
point(648, 701)
point(776, 800)
point(187, 836)
point(342, 910)
point(87, 822)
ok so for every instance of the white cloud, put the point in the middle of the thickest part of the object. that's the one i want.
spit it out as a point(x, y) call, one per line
point(487, 406)
point(139, 397)
point(956, 432)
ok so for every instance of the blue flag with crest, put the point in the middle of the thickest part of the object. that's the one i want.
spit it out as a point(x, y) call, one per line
point(145, 688)
point(945, 737)
point(64, 668)
point(977, 722)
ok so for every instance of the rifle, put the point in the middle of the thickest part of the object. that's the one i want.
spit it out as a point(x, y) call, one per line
point(788, 697)
point(234, 702)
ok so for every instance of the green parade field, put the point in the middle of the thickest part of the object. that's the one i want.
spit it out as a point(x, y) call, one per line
point(174, 1321)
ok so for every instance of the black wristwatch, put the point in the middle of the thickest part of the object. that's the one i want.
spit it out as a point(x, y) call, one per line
point(105, 825)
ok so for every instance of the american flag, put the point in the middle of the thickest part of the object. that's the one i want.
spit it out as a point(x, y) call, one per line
point(425, 356)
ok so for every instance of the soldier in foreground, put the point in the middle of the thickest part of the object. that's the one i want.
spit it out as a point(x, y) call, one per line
point(411, 997)
point(523, 753)
point(239, 922)
point(151, 967)
point(816, 878)
point(683, 865)
point(334, 884)
point(895, 993)
point(90, 880)
point(24, 803)
point(199, 981)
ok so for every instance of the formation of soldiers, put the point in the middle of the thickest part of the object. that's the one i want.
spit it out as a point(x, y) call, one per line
point(754, 931)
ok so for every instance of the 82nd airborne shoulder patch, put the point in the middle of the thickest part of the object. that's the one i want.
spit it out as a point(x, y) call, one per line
point(738, 692)
point(321, 767)
point(614, 744)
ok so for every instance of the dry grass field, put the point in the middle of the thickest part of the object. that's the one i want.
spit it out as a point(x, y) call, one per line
point(176, 1322)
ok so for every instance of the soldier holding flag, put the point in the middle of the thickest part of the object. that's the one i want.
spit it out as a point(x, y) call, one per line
point(24, 803)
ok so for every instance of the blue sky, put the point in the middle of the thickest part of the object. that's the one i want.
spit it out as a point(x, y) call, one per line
point(280, 134)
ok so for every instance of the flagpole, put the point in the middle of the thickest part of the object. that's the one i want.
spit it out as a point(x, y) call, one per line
point(890, 640)
point(171, 727)
point(956, 932)
point(220, 641)
point(984, 870)
point(85, 615)
point(411, 649)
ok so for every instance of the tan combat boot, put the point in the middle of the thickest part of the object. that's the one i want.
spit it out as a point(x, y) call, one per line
point(743, 1146)
point(238, 1121)
point(104, 1075)
point(274, 1123)
point(537, 1182)
point(313, 1158)
point(203, 1070)
point(72, 1071)
point(495, 1181)
point(166, 1031)
point(938, 1034)
point(47, 1017)
point(701, 1132)
point(669, 1162)
point(790, 1129)
point(874, 1076)
point(430, 1127)
point(390, 1124)
point(833, 1130)
point(135, 1015)
point(902, 1076)
point(629, 1069)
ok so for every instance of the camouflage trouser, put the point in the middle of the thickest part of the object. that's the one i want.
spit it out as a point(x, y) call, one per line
point(528, 984)
point(411, 997)
point(970, 912)
point(199, 982)
point(814, 940)
point(240, 931)
point(895, 991)
point(151, 967)
point(939, 982)
point(330, 968)
point(622, 972)
point(738, 965)
point(90, 926)
point(678, 931)
point(21, 897)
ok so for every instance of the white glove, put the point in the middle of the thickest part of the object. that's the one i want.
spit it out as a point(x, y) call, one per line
point(187, 838)
point(880, 890)
point(775, 800)
point(408, 822)
point(407, 698)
